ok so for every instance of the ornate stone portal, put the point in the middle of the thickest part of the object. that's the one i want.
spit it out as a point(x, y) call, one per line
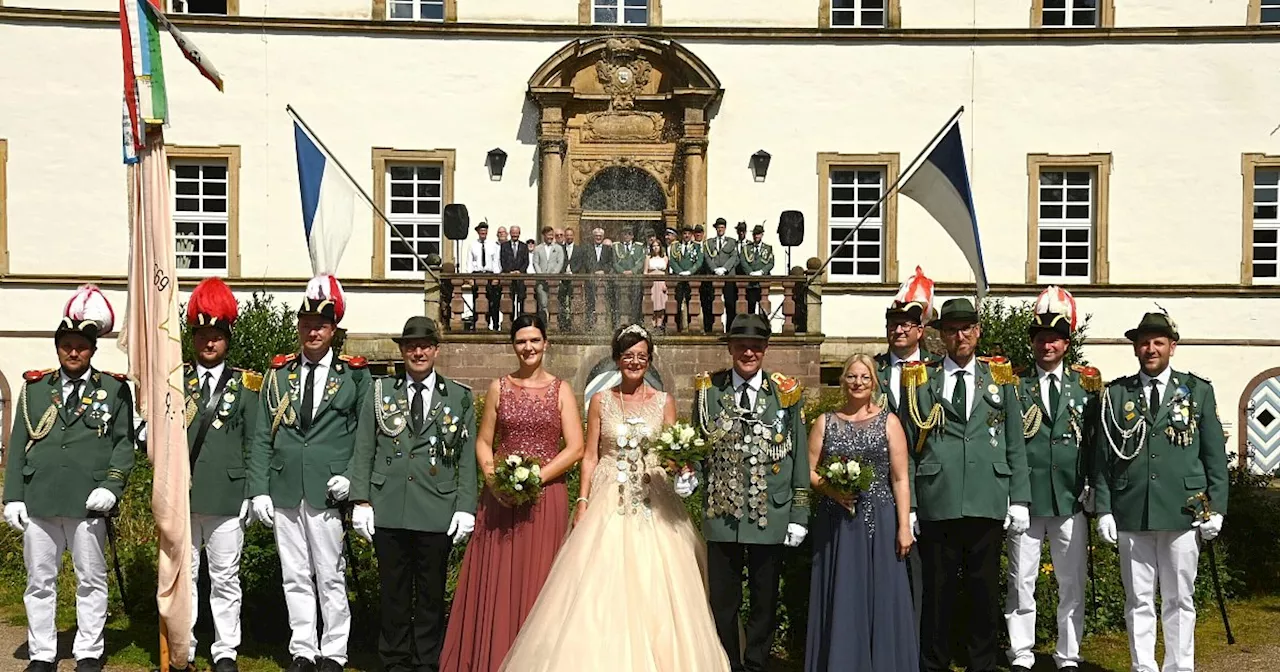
point(623, 119)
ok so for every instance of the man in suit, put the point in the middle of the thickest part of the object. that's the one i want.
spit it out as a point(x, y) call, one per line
point(628, 263)
point(1059, 423)
point(721, 255)
point(576, 262)
point(599, 257)
point(70, 452)
point(483, 257)
point(685, 258)
point(971, 484)
point(221, 411)
point(298, 463)
point(757, 495)
point(1161, 478)
point(548, 258)
point(514, 258)
point(413, 478)
point(756, 260)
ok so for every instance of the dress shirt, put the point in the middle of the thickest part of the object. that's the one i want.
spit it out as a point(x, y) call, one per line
point(1163, 379)
point(216, 372)
point(949, 369)
point(490, 263)
point(322, 375)
point(895, 372)
point(430, 383)
point(753, 386)
point(1044, 384)
point(68, 382)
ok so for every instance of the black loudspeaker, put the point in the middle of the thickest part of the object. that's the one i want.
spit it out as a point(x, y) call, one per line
point(457, 223)
point(791, 228)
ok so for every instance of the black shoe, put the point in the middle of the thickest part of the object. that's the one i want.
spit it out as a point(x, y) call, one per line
point(225, 665)
point(89, 665)
point(329, 665)
point(301, 664)
point(41, 666)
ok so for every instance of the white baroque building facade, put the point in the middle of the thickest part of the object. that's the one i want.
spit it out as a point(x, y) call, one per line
point(1125, 148)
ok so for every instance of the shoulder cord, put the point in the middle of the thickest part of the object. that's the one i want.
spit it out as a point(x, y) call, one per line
point(380, 414)
point(935, 419)
point(1108, 412)
point(43, 427)
point(280, 411)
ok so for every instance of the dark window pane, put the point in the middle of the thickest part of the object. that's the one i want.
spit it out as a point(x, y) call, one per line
point(429, 190)
point(1050, 179)
point(398, 247)
point(402, 264)
point(844, 177)
point(1077, 235)
point(1052, 18)
point(842, 4)
point(1077, 195)
point(844, 19)
point(186, 172)
point(1051, 235)
point(1264, 236)
point(433, 12)
point(401, 172)
point(1055, 4)
point(187, 228)
point(428, 207)
point(1077, 212)
point(873, 4)
point(215, 188)
point(429, 172)
point(1049, 269)
point(1050, 212)
point(869, 194)
point(215, 172)
point(1271, 14)
point(1050, 252)
point(188, 205)
point(1264, 254)
point(869, 234)
point(606, 15)
point(1264, 212)
point(215, 205)
point(402, 207)
point(873, 19)
point(1086, 17)
point(401, 189)
point(187, 188)
point(1078, 270)
point(215, 229)
point(1050, 194)
point(1078, 178)
point(215, 245)
point(1078, 252)
point(218, 261)
point(869, 268)
point(842, 210)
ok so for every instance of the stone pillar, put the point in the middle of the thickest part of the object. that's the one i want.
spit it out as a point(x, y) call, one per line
point(694, 152)
point(551, 146)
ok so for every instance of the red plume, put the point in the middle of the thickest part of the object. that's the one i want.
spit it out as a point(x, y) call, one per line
point(213, 298)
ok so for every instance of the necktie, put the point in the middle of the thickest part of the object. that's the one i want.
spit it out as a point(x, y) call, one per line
point(73, 399)
point(206, 390)
point(959, 398)
point(1154, 401)
point(484, 260)
point(308, 397)
point(1054, 395)
point(744, 401)
point(415, 407)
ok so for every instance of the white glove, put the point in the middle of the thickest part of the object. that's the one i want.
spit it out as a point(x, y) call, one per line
point(100, 500)
point(795, 534)
point(720, 271)
point(1018, 519)
point(15, 513)
point(339, 488)
point(1107, 529)
point(264, 510)
point(141, 434)
point(757, 272)
point(461, 527)
point(1209, 529)
point(686, 483)
point(362, 521)
point(684, 272)
point(915, 525)
point(245, 519)
point(1086, 499)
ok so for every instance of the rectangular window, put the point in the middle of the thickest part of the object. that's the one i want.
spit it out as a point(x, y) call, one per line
point(620, 12)
point(414, 204)
point(859, 13)
point(1269, 13)
point(415, 10)
point(1065, 231)
point(1071, 14)
point(853, 194)
point(1266, 223)
point(214, 7)
point(200, 215)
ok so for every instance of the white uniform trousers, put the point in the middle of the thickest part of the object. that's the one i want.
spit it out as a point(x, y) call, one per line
point(310, 545)
point(1170, 559)
point(42, 545)
point(222, 539)
point(1068, 545)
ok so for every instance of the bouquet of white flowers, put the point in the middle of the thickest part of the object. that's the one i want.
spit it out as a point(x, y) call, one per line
point(679, 443)
point(846, 475)
point(518, 479)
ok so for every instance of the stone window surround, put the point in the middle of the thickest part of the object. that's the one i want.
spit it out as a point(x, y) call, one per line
point(892, 16)
point(1106, 16)
point(378, 12)
point(1101, 164)
point(585, 13)
point(233, 9)
point(230, 154)
point(887, 161)
point(1248, 164)
point(1254, 17)
point(382, 157)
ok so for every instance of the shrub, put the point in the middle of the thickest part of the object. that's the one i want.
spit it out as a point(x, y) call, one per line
point(1004, 332)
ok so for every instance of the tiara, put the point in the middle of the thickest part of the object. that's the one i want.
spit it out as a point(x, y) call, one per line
point(634, 329)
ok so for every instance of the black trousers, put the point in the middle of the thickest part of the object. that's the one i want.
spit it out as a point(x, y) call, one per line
point(754, 291)
point(730, 302)
point(707, 297)
point(493, 293)
point(763, 562)
point(412, 568)
point(947, 548)
point(683, 294)
point(517, 299)
point(567, 305)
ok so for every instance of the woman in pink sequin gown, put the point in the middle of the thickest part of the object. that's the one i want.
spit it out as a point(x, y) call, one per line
point(512, 549)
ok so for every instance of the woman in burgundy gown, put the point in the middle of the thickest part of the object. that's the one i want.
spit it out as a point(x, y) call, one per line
point(512, 549)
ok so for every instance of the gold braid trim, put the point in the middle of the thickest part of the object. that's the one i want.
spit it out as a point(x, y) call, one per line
point(42, 427)
point(801, 497)
point(1031, 421)
point(913, 378)
point(280, 412)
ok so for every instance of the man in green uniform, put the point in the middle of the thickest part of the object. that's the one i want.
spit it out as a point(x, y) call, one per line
point(1161, 476)
point(300, 452)
point(720, 255)
point(970, 478)
point(628, 263)
point(757, 260)
point(1059, 426)
point(757, 495)
point(414, 472)
point(685, 257)
point(221, 410)
point(70, 451)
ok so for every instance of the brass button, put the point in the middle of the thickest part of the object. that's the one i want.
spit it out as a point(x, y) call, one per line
point(1055, 467)
point(410, 479)
point(411, 456)
point(1153, 477)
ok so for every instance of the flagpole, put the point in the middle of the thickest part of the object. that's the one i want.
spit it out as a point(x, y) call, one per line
point(377, 210)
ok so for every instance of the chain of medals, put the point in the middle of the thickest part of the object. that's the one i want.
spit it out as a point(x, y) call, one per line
point(634, 462)
point(43, 427)
point(1139, 428)
point(749, 254)
point(739, 437)
point(279, 406)
point(1033, 419)
point(398, 425)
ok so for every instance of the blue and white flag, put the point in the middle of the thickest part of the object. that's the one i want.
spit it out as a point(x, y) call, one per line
point(328, 200)
point(941, 186)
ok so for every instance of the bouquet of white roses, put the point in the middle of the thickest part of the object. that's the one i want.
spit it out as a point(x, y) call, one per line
point(846, 475)
point(679, 443)
point(518, 479)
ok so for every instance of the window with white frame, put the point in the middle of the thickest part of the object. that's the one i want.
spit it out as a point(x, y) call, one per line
point(1070, 14)
point(415, 10)
point(1269, 13)
point(216, 7)
point(858, 13)
point(1266, 224)
point(854, 192)
point(415, 198)
point(620, 12)
point(1065, 227)
point(200, 218)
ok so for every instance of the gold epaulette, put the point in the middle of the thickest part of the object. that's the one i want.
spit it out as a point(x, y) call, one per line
point(1090, 378)
point(1001, 370)
point(252, 380)
point(789, 389)
point(702, 381)
point(915, 374)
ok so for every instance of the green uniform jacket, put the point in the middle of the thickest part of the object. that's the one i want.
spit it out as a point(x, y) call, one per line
point(1060, 452)
point(726, 258)
point(290, 465)
point(89, 447)
point(628, 257)
point(972, 469)
point(885, 400)
point(416, 482)
point(218, 484)
point(680, 261)
point(752, 261)
point(786, 480)
point(1150, 491)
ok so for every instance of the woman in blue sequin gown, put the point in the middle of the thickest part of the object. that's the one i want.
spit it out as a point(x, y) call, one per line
point(860, 614)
